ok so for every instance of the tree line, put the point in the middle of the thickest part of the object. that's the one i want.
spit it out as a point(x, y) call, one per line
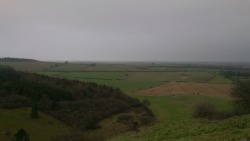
point(235, 75)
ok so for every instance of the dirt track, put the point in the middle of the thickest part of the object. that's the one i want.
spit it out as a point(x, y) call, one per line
point(175, 88)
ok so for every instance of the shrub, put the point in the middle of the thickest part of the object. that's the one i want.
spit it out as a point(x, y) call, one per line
point(21, 135)
point(204, 110)
point(241, 93)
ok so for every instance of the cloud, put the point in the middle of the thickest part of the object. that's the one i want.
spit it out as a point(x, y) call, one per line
point(126, 30)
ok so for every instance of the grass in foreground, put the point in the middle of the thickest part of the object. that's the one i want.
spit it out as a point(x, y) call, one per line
point(235, 128)
point(43, 129)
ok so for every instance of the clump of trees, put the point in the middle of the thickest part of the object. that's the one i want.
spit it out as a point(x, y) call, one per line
point(235, 74)
point(241, 93)
point(204, 110)
point(208, 110)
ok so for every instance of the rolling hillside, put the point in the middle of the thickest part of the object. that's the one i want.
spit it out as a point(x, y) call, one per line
point(78, 104)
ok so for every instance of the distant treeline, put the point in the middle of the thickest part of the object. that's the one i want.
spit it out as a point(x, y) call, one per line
point(8, 59)
point(235, 74)
point(81, 105)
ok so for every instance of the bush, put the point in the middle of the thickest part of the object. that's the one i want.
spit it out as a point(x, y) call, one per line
point(21, 135)
point(241, 93)
point(204, 110)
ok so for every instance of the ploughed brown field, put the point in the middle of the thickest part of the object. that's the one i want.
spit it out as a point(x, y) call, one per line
point(179, 88)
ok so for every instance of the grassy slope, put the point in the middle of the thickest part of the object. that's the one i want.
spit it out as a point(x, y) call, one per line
point(109, 128)
point(218, 79)
point(234, 128)
point(42, 129)
point(180, 107)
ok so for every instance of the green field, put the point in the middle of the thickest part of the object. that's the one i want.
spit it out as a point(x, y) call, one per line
point(218, 79)
point(133, 81)
point(179, 107)
point(43, 129)
point(66, 67)
point(180, 68)
point(137, 67)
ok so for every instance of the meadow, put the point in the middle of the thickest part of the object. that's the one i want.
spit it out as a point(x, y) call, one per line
point(180, 107)
point(146, 77)
point(133, 81)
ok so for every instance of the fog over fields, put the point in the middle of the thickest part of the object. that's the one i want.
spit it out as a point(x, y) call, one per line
point(126, 30)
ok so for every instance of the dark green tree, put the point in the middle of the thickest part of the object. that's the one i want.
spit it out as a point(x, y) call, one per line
point(241, 93)
point(34, 112)
point(21, 135)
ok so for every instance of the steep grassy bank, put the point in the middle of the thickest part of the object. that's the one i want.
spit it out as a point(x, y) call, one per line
point(43, 129)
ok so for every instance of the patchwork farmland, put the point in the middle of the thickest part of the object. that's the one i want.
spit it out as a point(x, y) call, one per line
point(181, 88)
point(172, 91)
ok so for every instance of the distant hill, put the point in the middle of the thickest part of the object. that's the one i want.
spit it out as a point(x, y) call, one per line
point(23, 64)
point(9, 59)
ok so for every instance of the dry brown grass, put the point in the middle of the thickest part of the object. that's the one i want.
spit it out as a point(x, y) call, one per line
point(176, 88)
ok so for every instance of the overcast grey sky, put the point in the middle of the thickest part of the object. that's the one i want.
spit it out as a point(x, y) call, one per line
point(126, 30)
